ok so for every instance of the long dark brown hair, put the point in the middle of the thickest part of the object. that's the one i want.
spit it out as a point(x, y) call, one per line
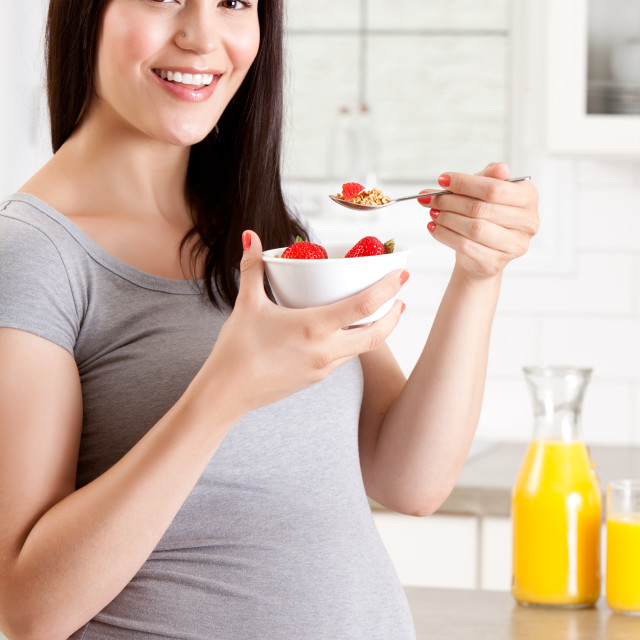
point(233, 180)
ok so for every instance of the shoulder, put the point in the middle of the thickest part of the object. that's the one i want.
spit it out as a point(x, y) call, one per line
point(36, 291)
point(23, 220)
point(31, 239)
point(36, 251)
point(29, 227)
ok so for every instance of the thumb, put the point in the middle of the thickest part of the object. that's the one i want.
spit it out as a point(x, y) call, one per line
point(251, 267)
point(498, 170)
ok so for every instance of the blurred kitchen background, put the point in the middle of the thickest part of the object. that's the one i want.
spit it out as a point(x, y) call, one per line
point(394, 93)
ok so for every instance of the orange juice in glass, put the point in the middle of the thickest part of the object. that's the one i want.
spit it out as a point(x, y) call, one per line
point(623, 546)
point(556, 501)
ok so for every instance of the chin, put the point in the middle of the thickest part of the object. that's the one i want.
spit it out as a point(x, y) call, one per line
point(185, 134)
point(185, 139)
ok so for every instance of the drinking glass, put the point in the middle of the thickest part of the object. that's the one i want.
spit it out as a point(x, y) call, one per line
point(623, 546)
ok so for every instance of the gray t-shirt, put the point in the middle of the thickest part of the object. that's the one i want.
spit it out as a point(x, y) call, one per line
point(276, 540)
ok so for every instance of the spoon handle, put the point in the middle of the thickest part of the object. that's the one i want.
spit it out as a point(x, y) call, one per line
point(445, 191)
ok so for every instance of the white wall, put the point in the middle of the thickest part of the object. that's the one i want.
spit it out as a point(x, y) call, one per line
point(586, 315)
point(575, 298)
point(23, 118)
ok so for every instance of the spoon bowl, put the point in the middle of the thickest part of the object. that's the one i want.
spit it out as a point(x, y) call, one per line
point(371, 207)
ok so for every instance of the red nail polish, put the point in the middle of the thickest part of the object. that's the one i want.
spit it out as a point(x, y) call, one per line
point(404, 306)
point(246, 240)
point(425, 200)
point(434, 213)
point(404, 276)
point(444, 180)
point(431, 226)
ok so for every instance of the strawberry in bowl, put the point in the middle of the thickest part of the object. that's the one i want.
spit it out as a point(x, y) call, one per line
point(303, 250)
point(305, 281)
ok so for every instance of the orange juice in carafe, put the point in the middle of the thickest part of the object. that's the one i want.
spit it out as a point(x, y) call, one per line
point(556, 501)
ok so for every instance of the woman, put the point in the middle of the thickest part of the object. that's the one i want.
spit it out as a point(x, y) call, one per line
point(180, 457)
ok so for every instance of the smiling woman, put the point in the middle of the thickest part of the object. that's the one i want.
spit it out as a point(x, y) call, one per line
point(179, 456)
point(116, 72)
point(117, 454)
point(139, 39)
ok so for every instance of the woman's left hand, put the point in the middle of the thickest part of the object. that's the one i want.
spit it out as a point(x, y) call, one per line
point(486, 220)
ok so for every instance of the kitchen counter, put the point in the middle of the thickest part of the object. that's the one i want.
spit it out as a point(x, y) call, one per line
point(460, 614)
point(484, 486)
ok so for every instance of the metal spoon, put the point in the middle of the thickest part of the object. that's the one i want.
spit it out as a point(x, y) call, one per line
point(369, 207)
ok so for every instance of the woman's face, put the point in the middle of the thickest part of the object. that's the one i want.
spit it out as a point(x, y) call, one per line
point(169, 68)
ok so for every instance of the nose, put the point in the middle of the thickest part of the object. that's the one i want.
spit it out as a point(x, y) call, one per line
point(197, 30)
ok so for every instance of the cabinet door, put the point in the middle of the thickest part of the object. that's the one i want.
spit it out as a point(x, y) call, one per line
point(570, 128)
point(434, 551)
point(496, 548)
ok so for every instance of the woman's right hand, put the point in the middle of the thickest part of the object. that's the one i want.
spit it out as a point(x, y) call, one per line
point(266, 352)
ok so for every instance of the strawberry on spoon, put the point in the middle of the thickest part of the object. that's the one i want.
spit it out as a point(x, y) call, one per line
point(351, 190)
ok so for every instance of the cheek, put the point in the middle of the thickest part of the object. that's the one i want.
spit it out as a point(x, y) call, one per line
point(244, 48)
point(125, 38)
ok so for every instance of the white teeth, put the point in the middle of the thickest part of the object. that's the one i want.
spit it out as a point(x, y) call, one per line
point(192, 79)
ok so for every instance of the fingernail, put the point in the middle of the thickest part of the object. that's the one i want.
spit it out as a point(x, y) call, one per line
point(431, 226)
point(404, 306)
point(404, 276)
point(444, 180)
point(246, 240)
point(434, 213)
point(425, 200)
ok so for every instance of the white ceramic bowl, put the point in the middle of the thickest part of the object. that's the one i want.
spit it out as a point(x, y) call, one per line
point(298, 283)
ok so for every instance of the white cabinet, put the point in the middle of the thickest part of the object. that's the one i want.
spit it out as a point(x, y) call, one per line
point(435, 551)
point(461, 552)
point(582, 38)
point(495, 554)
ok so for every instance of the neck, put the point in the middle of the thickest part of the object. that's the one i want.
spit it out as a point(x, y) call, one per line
point(120, 166)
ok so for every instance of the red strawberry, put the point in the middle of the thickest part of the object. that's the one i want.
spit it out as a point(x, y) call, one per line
point(305, 250)
point(370, 246)
point(351, 190)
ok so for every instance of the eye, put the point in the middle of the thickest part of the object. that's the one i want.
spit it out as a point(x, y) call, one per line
point(235, 4)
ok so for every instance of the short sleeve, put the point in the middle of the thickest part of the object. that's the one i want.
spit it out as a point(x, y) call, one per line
point(35, 292)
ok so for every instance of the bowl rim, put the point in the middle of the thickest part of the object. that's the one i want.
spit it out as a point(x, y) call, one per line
point(269, 254)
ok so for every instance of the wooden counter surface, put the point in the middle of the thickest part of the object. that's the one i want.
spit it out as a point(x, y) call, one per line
point(460, 614)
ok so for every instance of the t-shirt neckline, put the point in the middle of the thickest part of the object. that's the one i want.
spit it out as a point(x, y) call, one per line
point(106, 259)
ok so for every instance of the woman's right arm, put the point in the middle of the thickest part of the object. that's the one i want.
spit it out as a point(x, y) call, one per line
point(66, 553)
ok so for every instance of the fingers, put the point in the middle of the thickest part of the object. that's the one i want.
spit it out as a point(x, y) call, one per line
point(476, 259)
point(346, 312)
point(510, 217)
point(497, 170)
point(251, 267)
point(489, 186)
point(352, 342)
point(484, 232)
point(487, 189)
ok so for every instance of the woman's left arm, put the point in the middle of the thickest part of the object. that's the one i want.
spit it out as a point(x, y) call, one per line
point(415, 434)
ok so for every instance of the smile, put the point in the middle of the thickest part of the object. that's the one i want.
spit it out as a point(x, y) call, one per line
point(192, 80)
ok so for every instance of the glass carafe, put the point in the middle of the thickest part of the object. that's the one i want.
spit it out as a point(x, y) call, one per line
point(556, 501)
